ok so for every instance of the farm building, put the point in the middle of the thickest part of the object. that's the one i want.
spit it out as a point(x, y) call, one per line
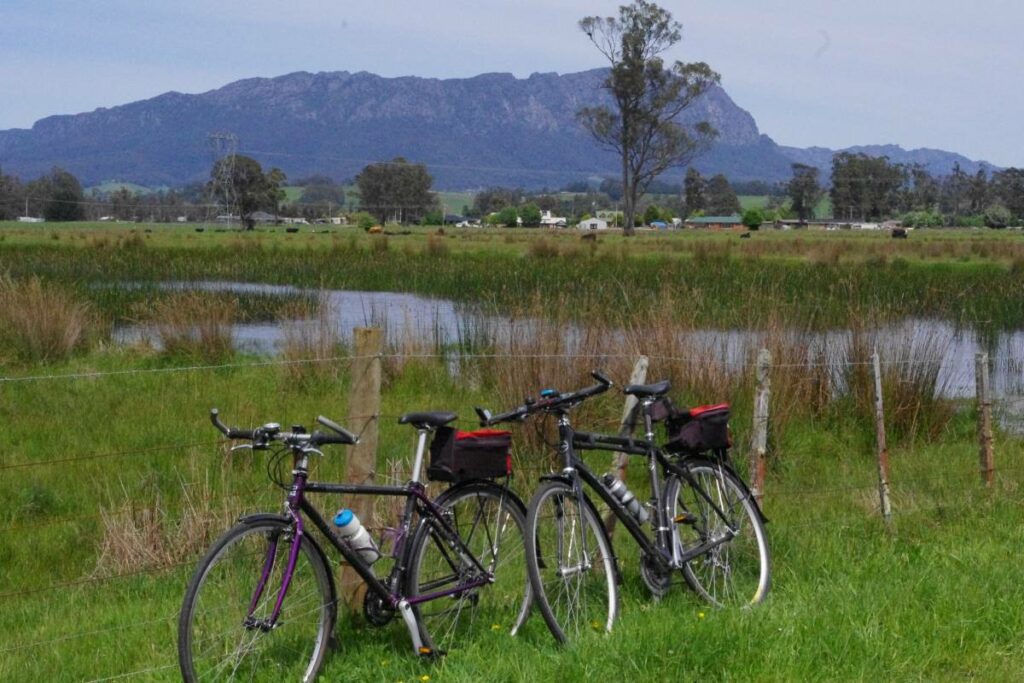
point(549, 221)
point(714, 222)
point(593, 224)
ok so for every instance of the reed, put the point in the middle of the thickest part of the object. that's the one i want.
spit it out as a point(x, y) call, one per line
point(193, 325)
point(43, 322)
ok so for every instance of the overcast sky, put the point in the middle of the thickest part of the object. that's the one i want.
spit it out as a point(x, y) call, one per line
point(919, 73)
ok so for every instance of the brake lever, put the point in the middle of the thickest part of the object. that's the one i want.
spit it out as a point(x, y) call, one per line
point(242, 447)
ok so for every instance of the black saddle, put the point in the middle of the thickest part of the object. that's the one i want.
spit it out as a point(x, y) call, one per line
point(427, 420)
point(645, 390)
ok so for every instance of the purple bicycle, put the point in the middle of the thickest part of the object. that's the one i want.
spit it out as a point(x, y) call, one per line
point(262, 602)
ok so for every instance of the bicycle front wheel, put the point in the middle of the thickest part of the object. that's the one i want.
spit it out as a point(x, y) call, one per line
point(490, 523)
point(570, 563)
point(223, 630)
point(736, 572)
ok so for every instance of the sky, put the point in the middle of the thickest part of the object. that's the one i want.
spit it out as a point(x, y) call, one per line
point(919, 73)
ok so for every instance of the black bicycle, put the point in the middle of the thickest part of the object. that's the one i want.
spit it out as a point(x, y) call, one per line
point(704, 521)
point(262, 602)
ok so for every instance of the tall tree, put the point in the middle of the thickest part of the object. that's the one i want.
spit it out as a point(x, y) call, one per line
point(694, 191)
point(11, 196)
point(804, 191)
point(642, 127)
point(239, 181)
point(61, 195)
point(1008, 187)
point(722, 199)
point(396, 190)
point(863, 187)
point(953, 195)
point(978, 192)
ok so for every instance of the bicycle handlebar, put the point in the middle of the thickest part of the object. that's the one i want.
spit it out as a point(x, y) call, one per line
point(230, 432)
point(547, 404)
point(262, 435)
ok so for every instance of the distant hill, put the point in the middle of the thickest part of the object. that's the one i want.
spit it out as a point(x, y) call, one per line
point(492, 129)
point(937, 161)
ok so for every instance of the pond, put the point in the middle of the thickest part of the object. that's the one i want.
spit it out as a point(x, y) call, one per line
point(444, 324)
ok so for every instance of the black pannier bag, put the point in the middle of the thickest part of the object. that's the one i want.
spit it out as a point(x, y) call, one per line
point(700, 429)
point(458, 456)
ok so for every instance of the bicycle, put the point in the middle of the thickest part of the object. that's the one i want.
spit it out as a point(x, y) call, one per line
point(262, 603)
point(706, 524)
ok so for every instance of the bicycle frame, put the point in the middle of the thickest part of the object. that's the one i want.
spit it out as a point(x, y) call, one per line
point(417, 501)
point(662, 549)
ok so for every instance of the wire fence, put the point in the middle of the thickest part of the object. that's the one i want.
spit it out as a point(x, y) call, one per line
point(920, 494)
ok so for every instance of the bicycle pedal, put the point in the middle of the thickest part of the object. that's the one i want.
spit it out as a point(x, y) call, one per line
point(685, 518)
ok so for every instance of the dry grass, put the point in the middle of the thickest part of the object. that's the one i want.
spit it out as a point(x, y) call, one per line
point(40, 322)
point(310, 334)
point(194, 324)
point(144, 535)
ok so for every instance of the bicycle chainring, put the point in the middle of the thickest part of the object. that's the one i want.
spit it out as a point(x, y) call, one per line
point(376, 610)
point(657, 581)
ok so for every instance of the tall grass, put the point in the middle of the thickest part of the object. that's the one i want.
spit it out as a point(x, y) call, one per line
point(311, 334)
point(193, 325)
point(43, 322)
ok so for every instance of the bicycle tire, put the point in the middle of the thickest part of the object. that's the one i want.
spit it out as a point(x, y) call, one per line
point(213, 641)
point(585, 599)
point(737, 572)
point(490, 521)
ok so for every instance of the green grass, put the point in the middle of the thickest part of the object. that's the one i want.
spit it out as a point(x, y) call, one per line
point(803, 278)
point(934, 598)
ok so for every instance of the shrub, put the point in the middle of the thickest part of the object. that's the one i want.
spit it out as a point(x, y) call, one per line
point(42, 322)
point(997, 216)
point(753, 218)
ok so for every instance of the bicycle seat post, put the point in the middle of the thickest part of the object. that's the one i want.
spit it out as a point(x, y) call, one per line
point(421, 447)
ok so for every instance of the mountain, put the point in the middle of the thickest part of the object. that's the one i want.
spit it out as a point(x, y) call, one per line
point(492, 129)
point(936, 161)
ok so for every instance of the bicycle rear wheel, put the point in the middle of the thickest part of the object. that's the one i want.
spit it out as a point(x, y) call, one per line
point(737, 572)
point(489, 520)
point(570, 564)
point(219, 637)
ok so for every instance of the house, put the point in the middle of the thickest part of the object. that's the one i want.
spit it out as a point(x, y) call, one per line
point(593, 224)
point(262, 217)
point(714, 222)
point(549, 221)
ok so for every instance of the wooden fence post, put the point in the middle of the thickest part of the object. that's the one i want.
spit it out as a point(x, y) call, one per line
point(883, 451)
point(985, 454)
point(363, 410)
point(620, 460)
point(759, 439)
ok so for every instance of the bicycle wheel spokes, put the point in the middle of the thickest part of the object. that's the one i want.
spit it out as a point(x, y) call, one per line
point(224, 632)
point(491, 527)
point(571, 565)
point(735, 572)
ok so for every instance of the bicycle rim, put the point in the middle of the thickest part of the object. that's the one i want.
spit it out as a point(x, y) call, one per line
point(492, 528)
point(215, 644)
point(570, 564)
point(735, 573)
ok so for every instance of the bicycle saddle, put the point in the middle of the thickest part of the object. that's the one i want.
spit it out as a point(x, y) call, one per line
point(644, 390)
point(427, 420)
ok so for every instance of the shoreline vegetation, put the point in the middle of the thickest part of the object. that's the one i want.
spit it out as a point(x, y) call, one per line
point(115, 481)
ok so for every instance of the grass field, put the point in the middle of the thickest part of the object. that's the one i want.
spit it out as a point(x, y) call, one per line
point(115, 482)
